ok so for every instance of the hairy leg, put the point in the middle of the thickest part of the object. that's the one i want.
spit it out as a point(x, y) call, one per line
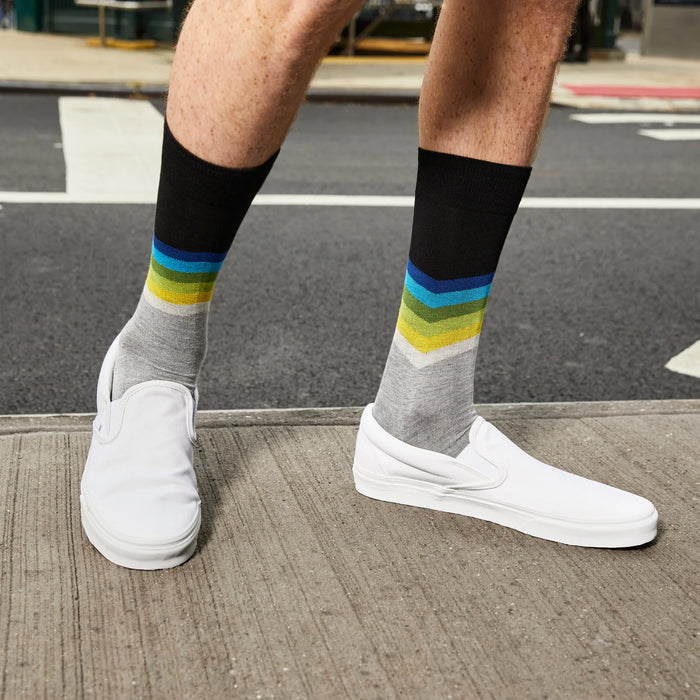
point(239, 76)
point(484, 100)
point(489, 77)
point(241, 70)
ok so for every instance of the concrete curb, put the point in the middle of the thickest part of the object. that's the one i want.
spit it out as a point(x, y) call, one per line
point(81, 422)
point(97, 89)
point(346, 95)
point(376, 96)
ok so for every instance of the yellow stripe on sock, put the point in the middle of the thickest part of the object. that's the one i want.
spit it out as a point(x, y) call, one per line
point(447, 325)
point(179, 287)
point(423, 344)
point(176, 297)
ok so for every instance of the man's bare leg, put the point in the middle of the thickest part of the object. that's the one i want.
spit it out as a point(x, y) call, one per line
point(241, 71)
point(484, 101)
point(489, 79)
point(240, 74)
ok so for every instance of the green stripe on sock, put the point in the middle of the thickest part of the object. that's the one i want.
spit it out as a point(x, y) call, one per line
point(183, 277)
point(180, 287)
point(428, 330)
point(445, 312)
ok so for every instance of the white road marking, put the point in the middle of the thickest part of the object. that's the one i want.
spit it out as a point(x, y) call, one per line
point(636, 118)
point(80, 198)
point(332, 200)
point(111, 148)
point(342, 200)
point(610, 203)
point(667, 120)
point(686, 362)
point(671, 134)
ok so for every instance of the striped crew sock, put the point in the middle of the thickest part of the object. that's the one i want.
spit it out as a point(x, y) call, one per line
point(200, 207)
point(463, 210)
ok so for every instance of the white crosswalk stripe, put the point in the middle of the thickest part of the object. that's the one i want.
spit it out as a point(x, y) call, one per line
point(635, 118)
point(671, 134)
point(642, 118)
point(111, 148)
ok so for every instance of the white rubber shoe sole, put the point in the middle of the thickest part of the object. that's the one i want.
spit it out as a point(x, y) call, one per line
point(494, 480)
point(134, 554)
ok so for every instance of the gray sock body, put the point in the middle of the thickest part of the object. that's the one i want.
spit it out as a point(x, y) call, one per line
point(155, 344)
point(463, 210)
point(430, 407)
point(200, 207)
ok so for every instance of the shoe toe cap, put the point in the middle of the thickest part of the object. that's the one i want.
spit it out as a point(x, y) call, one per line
point(149, 518)
point(625, 507)
point(156, 515)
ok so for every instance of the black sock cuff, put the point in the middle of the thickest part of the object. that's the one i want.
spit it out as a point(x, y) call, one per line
point(200, 204)
point(463, 211)
point(470, 183)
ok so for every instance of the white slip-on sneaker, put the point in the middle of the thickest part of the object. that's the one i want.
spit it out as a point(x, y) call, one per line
point(493, 479)
point(138, 495)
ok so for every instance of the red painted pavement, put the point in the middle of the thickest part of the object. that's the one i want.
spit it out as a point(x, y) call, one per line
point(669, 92)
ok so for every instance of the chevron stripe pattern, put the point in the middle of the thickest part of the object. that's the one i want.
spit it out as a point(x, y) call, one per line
point(181, 282)
point(436, 314)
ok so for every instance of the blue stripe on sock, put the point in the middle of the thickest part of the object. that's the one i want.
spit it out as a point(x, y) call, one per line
point(437, 301)
point(186, 255)
point(454, 285)
point(184, 265)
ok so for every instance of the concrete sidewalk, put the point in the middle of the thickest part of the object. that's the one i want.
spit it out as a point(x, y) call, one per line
point(48, 62)
point(302, 588)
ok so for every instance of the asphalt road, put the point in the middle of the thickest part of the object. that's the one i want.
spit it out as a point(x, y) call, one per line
point(586, 304)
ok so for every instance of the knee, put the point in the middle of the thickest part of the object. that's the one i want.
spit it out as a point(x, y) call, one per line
point(549, 24)
point(560, 14)
point(322, 15)
point(310, 26)
point(556, 10)
point(328, 8)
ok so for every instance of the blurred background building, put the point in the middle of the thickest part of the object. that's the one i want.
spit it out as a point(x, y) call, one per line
point(664, 27)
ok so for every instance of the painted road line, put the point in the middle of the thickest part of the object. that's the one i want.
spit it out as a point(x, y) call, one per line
point(111, 148)
point(635, 118)
point(114, 197)
point(332, 200)
point(686, 362)
point(609, 203)
point(336, 200)
point(671, 134)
